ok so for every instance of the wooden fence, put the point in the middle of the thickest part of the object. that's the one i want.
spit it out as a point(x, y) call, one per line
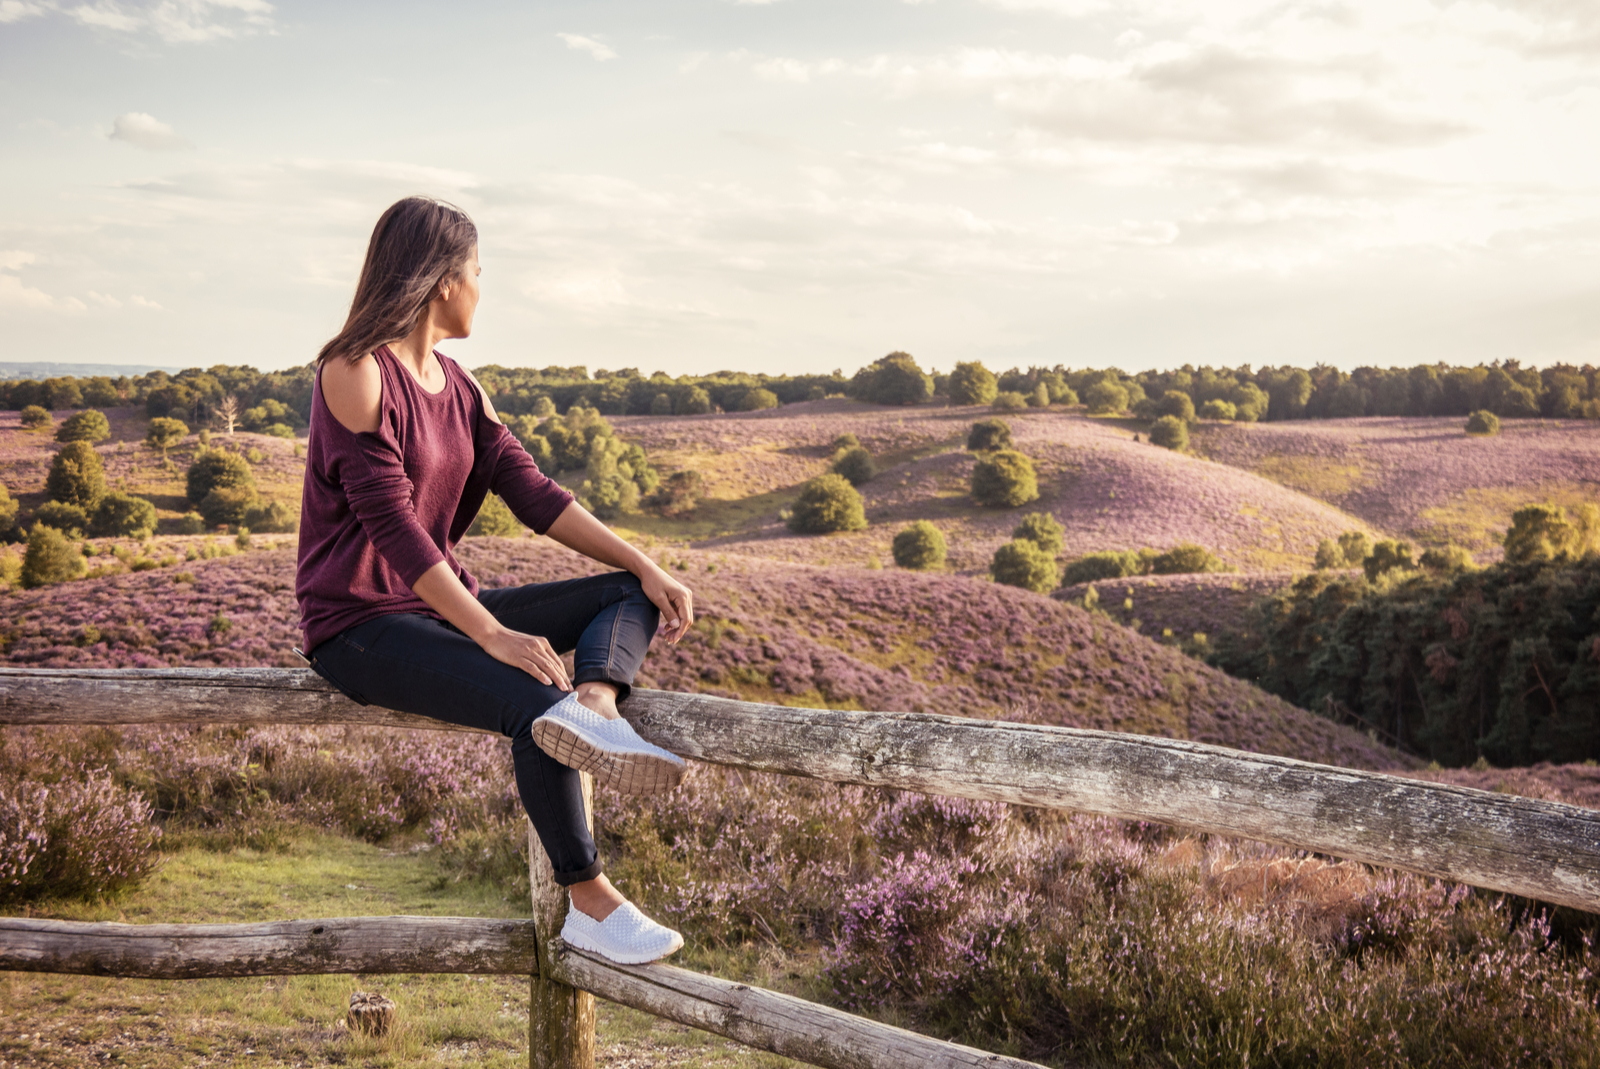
point(1537, 849)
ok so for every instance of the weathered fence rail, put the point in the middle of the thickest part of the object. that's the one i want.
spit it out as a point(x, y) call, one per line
point(1538, 849)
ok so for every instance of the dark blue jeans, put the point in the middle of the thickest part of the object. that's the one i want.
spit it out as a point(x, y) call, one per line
point(417, 664)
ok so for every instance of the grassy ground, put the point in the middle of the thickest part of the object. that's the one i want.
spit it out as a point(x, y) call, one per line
point(297, 1021)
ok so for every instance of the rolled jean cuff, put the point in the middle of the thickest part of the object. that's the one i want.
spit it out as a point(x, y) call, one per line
point(599, 675)
point(567, 879)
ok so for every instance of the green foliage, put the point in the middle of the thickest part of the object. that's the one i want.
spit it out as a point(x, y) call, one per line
point(271, 517)
point(1219, 409)
point(51, 558)
point(227, 505)
point(495, 518)
point(1347, 551)
point(1177, 404)
point(1483, 422)
point(1387, 556)
point(217, 469)
point(86, 426)
point(755, 400)
point(1186, 558)
point(100, 392)
point(122, 515)
point(8, 510)
point(77, 477)
point(610, 489)
point(191, 523)
point(892, 380)
point(68, 519)
point(1545, 533)
point(278, 430)
point(1170, 432)
point(270, 413)
point(828, 503)
point(678, 494)
point(164, 433)
point(989, 434)
point(1041, 529)
point(845, 441)
point(919, 547)
point(971, 384)
point(661, 405)
point(855, 465)
point(695, 402)
point(1022, 563)
point(1004, 479)
point(1040, 397)
point(1009, 401)
point(1450, 558)
point(1106, 398)
point(1106, 564)
point(35, 416)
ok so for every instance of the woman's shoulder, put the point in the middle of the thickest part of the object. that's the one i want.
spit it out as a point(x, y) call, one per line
point(469, 383)
point(352, 392)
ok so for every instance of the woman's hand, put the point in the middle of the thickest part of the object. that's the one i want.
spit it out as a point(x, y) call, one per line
point(670, 596)
point(530, 653)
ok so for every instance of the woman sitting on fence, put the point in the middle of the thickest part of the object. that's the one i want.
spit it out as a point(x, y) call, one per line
point(404, 446)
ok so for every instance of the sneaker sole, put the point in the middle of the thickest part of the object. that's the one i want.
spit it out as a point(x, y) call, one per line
point(626, 773)
point(621, 959)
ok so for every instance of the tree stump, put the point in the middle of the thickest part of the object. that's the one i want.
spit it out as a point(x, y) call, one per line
point(371, 1013)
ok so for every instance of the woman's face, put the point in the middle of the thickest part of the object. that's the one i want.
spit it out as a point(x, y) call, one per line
point(458, 299)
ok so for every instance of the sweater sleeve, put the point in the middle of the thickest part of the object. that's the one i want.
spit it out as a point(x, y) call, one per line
point(533, 497)
point(382, 497)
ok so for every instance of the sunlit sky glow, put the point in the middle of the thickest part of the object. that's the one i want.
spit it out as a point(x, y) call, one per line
point(802, 185)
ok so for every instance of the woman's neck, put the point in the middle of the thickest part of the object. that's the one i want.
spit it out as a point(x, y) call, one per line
point(415, 350)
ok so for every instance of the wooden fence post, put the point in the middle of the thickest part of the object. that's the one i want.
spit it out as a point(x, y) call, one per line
point(560, 1018)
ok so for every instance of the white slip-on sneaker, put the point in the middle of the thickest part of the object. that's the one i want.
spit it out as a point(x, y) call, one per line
point(610, 750)
point(626, 936)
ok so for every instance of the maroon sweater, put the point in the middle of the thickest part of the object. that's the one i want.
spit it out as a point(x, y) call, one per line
point(381, 508)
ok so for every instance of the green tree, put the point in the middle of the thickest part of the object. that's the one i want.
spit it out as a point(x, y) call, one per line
point(1219, 409)
point(856, 466)
point(828, 503)
point(1177, 404)
point(8, 510)
point(1387, 556)
point(216, 468)
point(1170, 432)
point(122, 515)
point(972, 384)
point(989, 434)
point(77, 477)
point(1483, 422)
point(1041, 529)
point(227, 506)
point(1186, 558)
point(163, 433)
point(1040, 397)
point(1004, 479)
point(1022, 563)
point(35, 416)
point(757, 399)
point(919, 547)
point(678, 494)
point(68, 519)
point(86, 426)
point(661, 405)
point(101, 392)
point(1546, 533)
point(51, 558)
point(1106, 398)
point(697, 402)
point(1356, 547)
point(271, 517)
point(892, 380)
point(496, 519)
point(1450, 558)
point(1107, 564)
point(1009, 401)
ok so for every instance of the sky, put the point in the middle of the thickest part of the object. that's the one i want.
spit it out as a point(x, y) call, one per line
point(802, 185)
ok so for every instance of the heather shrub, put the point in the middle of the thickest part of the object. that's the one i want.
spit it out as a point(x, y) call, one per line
point(216, 469)
point(227, 506)
point(1219, 409)
point(1546, 533)
point(50, 558)
point(68, 519)
point(971, 384)
point(678, 494)
point(77, 476)
point(80, 836)
point(1483, 422)
point(272, 517)
point(86, 426)
point(163, 433)
point(122, 515)
point(892, 380)
point(1022, 563)
point(855, 466)
point(989, 434)
point(1107, 564)
point(1186, 558)
point(1387, 556)
point(1170, 432)
point(34, 417)
point(755, 400)
point(1009, 401)
point(919, 547)
point(494, 518)
point(828, 503)
point(1041, 529)
point(1004, 479)
point(1106, 398)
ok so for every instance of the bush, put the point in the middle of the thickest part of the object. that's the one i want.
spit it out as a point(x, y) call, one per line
point(51, 558)
point(1040, 397)
point(1042, 530)
point(227, 506)
point(8, 510)
point(972, 384)
point(1448, 559)
point(73, 838)
point(494, 518)
point(1022, 563)
point(68, 519)
point(76, 476)
point(1177, 404)
point(920, 547)
point(1219, 409)
point(856, 466)
point(272, 517)
point(1546, 533)
point(845, 441)
point(191, 523)
point(828, 503)
point(1107, 564)
point(989, 434)
point(892, 380)
point(661, 405)
point(218, 469)
point(1009, 401)
point(1186, 558)
point(278, 430)
point(1387, 556)
point(1170, 432)
point(163, 433)
point(1004, 479)
point(1106, 398)
point(757, 399)
point(543, 407)
point(617, 474)
point(1483, 422)
point(86, 426)
point(34, 416)
point(677, 495)
point(1348, 551)
point(697, 402)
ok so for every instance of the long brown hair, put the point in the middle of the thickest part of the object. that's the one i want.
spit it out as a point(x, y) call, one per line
point(418, 244)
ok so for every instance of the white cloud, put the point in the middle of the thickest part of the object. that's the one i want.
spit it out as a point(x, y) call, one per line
point(13, 294)
point(146, 131)
point(177, 21)
point(17, 10)
point(589, 45)
point(784, 69)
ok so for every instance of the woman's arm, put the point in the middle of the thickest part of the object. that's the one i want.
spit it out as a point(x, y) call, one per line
point(576, 529)
point(445, 595)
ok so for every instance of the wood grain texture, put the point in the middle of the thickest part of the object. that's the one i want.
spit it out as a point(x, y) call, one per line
point(768, 1020)
point(1539, 849)
point(561, 1018)
point(278, 948)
